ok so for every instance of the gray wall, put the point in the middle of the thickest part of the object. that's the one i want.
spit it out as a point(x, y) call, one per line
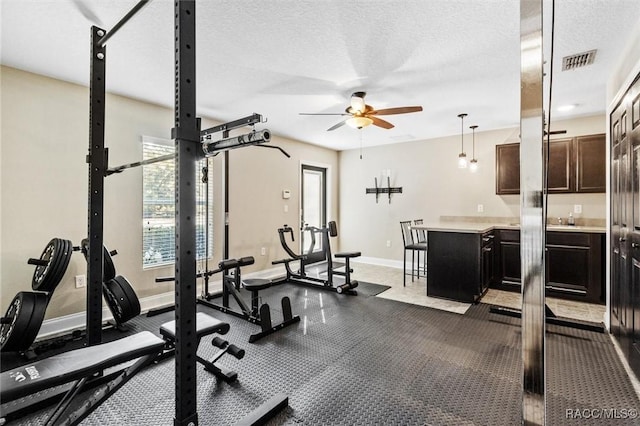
point(44, 186)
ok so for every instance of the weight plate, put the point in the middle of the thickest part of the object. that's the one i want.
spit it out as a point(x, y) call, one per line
point(114, 296)
point(27, 313)
point(57, 254)
point(66, 250)
point(131, 297)
point(40, 302)
point(108, 268)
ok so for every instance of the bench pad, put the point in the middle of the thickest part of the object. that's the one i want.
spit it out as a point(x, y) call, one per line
point(205, 325)
point(256, 284)
point(348, 254)
point(74, 365)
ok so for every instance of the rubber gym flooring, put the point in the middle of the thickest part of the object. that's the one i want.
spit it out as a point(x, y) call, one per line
point(363, 360)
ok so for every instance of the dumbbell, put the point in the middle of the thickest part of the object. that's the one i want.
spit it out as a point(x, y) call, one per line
point(232, 350)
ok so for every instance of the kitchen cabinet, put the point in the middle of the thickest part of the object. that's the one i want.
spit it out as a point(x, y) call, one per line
point(508, 254)
point(561, 166)
point(576, 165)
point(574, 264)
point(488, 260)
point(591, 167)
point(460, 265)
point(508, 168)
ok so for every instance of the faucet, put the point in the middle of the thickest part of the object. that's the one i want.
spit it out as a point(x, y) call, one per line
point(559, 221)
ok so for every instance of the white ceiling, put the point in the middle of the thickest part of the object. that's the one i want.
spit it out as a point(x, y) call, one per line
point(281, 57)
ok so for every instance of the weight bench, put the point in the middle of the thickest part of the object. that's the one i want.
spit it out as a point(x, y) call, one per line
point(256, 314)
point(79, 366)
point(205, 325)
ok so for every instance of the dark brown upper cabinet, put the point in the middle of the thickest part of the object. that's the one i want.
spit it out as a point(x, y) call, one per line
point(575, 165)
point(508, 168)
point(591, 153)
point(561, 168)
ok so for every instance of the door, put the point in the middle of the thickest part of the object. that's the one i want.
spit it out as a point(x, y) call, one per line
point(630, 124)
point(313, 210)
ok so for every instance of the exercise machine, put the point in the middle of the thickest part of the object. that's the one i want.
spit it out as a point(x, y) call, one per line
point(325, 270)
point(257, 313)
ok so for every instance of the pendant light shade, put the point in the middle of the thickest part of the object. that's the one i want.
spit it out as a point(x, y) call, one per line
point(462, 157)
point(473, 164)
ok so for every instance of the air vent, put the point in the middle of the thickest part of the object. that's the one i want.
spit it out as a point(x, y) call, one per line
point(578, 60)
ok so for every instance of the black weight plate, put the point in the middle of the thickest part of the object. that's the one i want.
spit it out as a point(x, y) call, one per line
point(108, 268)
point(40, 302)
point(58, 254)
point(131, 297)
point(114, 296)
point(66, 250)
point(20, 311)
point(42, 271)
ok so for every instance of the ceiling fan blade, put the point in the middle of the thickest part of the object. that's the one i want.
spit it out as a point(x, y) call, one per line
point(322, 113)
point(340, 124)
point(381, 123)
point(87, 12)
point(400, 110)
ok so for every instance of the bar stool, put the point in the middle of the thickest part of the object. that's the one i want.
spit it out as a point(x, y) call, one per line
point(415, 247)
point(420, 236)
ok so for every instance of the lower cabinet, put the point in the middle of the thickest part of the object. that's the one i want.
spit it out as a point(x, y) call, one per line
point(574, 264)
point(460, 265)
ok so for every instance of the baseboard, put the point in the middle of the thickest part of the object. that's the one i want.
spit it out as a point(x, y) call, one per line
point(380, 262)
point(61, 325)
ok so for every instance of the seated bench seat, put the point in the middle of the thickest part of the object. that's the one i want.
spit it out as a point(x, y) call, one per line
point(74, 365)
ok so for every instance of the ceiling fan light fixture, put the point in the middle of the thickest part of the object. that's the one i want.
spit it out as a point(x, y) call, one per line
point(358, 122)
point(357, 103)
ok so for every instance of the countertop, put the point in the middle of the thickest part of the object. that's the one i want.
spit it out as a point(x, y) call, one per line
point(479, 227)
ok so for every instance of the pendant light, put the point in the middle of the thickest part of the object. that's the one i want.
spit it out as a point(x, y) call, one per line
point(462, 157)
point(473, 164)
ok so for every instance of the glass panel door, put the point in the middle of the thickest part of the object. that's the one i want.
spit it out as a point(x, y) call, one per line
point(314, 211)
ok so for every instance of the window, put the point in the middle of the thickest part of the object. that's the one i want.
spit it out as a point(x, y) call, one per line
point(158, 211)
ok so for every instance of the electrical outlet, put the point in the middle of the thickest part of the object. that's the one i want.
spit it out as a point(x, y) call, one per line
point(388, 243)
point(577, 208)
point(81, 281)
point(263, 251)
point(480, 208)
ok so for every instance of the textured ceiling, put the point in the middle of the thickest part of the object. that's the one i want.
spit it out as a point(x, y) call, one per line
point(281, 57)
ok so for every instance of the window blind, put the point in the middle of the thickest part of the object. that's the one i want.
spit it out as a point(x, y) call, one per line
point(158, 210)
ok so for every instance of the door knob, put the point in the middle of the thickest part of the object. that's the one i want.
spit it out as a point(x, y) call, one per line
point(635, 245)
point(622, 239)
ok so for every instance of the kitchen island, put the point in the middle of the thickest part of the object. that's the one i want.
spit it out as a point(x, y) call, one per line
point(464, 259)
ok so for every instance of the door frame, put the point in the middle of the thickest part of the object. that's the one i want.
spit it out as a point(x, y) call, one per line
point(328, 190)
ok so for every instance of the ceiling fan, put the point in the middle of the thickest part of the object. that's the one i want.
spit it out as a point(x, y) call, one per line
point(362, 115)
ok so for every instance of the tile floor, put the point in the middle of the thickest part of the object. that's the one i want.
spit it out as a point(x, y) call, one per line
point(415, 293)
